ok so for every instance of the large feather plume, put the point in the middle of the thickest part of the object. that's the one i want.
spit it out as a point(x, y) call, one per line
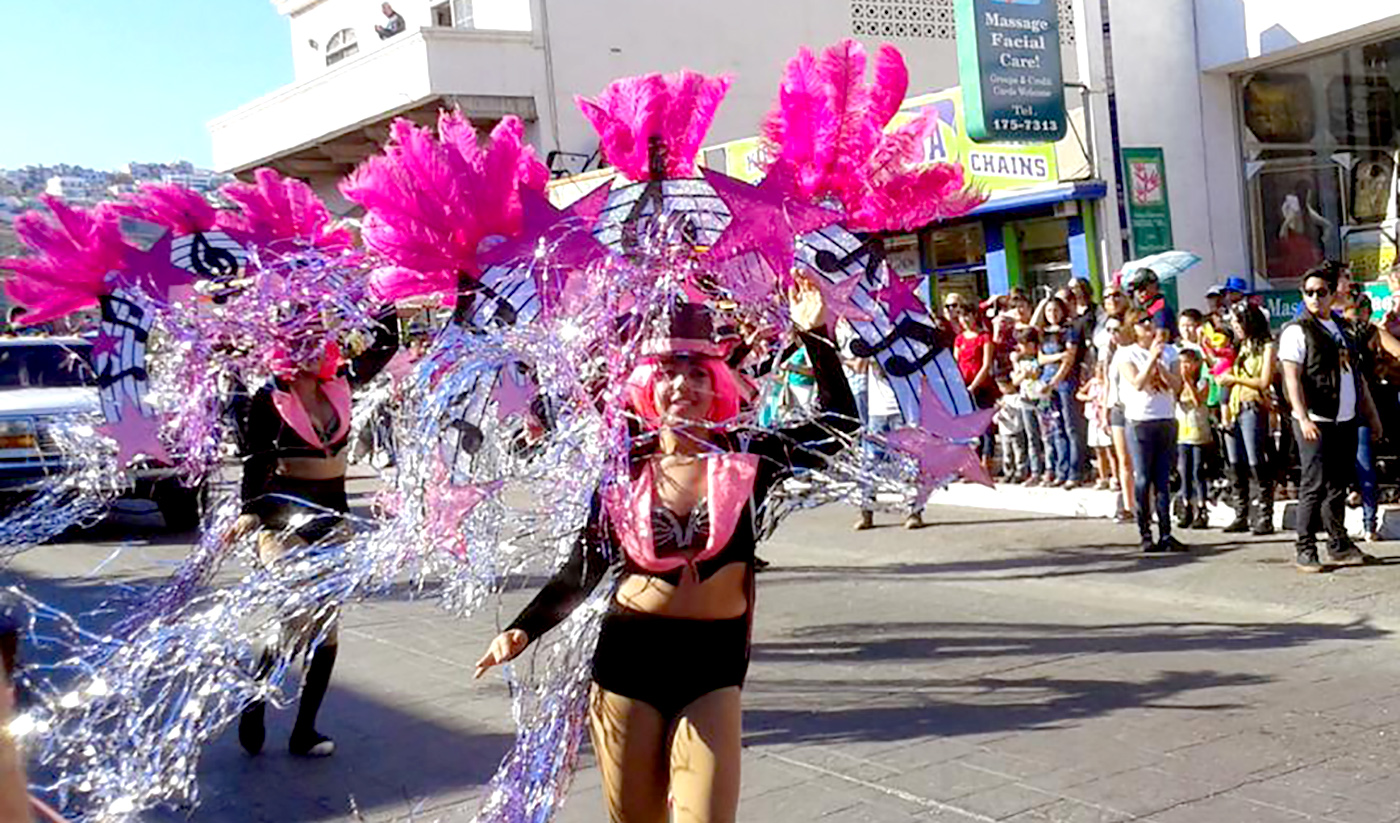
point(430, 200)
point(73, 251)
point(281, 208)
point(672, 110)
point(183, 211)
point(830, 129)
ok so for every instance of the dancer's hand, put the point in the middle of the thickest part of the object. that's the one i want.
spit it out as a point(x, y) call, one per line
point(806, 304)
point(506, 647)
point(245, 525)
point(1309, 429)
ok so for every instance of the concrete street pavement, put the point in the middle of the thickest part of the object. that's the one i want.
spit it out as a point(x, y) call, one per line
point(994, 666)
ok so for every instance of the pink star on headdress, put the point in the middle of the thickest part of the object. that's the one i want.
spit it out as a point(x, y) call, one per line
point(766, 219)
point(837, 297)
point(105, 343)
point(900, 296)
point(136, 436)
point(513, 393)
point(152, 271)
point(940, 446)
point(565, 234)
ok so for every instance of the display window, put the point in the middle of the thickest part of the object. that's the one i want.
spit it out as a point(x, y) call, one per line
point(1319, 151)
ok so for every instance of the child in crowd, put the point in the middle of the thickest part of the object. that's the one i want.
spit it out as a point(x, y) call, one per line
point(1094, 396)
point(1011, 434)
point(1194, 436)
point(1025, 378)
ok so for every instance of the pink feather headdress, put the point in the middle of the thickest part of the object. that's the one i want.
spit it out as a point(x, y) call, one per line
point(74, 251)
point(431, 200)
point(280, 208)
point(829, 128)
point(183, 211)
point(671, 112)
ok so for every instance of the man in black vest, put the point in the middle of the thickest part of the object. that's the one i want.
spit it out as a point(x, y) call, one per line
point(1327, 395)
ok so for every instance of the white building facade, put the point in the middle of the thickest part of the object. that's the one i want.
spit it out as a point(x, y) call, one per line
point(1198, 80)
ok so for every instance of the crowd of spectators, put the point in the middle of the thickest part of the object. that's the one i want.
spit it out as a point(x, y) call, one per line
point(1174, 410)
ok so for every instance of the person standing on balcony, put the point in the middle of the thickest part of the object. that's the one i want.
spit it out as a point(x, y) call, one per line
point(392, 26)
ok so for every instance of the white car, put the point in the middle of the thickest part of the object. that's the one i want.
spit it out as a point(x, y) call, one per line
point(44, 379)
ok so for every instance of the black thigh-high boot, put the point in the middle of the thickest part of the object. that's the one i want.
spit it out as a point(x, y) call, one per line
point(306, 741)
point(1239, 474)
point(1263, 500)
point(251, 730)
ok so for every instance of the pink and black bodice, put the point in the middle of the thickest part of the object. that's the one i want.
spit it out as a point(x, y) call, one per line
point(631, 529)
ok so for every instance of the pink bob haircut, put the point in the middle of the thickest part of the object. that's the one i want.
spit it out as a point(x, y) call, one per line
point(724, 404)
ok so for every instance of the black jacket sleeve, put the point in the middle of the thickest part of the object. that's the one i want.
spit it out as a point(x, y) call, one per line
point(370, 362)
point(260, 430)
point(571, 585)
point(808, 444)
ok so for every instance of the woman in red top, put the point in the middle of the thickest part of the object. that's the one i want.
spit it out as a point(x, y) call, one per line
point(976, 353)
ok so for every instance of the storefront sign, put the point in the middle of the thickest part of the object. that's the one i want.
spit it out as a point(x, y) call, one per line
point(1009, 63)
point(990, 166)
point(1149, 206)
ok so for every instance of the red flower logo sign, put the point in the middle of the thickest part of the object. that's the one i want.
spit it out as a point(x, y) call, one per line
point(1147, 184)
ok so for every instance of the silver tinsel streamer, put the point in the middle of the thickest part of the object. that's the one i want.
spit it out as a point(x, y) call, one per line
point(78, 496)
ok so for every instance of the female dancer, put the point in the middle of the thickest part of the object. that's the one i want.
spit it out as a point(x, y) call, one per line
point(296, 433)
point(674, 647)
point(1248, 439)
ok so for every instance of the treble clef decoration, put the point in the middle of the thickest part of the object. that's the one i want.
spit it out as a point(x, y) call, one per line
point(907, 329)
point(216, 264)
point(208, 260)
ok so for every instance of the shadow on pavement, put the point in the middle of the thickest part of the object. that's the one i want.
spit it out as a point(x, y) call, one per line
point(868, 707)
point(894, 710)
point(387, 760)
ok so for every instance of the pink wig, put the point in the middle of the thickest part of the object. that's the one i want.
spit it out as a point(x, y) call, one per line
point(724, 404)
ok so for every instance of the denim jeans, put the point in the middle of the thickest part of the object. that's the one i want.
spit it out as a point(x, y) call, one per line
point(1328, 467)
point(1052, 433)
point(1191, 458)
point(1248, 440)
point(1152, 444)
point(1035, 447)
point(1366, 477)
point(1075, 428)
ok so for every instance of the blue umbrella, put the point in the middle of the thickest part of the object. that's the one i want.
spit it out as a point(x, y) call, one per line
point(1166, 265)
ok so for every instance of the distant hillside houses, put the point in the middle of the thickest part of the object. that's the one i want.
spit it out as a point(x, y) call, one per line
point(83, 186)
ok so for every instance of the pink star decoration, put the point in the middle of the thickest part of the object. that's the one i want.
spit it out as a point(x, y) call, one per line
point(837, 296)
point(565, 234)
point(900, 296)
point(152, 271)
point(767, 218)
point(448, 505)
point(513, 393)
point(940, 443)
point(105, 343)
point(137, 436)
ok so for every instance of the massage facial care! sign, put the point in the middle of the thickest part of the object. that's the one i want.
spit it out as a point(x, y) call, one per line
point(1009, 62)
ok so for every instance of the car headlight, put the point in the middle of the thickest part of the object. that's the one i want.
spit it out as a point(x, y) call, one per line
point(17, 434)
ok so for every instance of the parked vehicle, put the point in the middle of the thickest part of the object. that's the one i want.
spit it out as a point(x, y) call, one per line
point(43, 380)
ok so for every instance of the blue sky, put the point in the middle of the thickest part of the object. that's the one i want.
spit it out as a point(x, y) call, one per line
point(101, 82)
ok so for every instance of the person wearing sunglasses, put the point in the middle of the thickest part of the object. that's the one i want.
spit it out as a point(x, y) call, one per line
point(1149, 380)
point(1320, 372)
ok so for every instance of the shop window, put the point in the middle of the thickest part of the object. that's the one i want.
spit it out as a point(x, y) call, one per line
point(1045, 263)
point(1320, 154)
point(958, 257)
point(341, 45)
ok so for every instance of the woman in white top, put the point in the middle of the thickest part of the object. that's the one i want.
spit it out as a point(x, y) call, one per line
point(1148, 383)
